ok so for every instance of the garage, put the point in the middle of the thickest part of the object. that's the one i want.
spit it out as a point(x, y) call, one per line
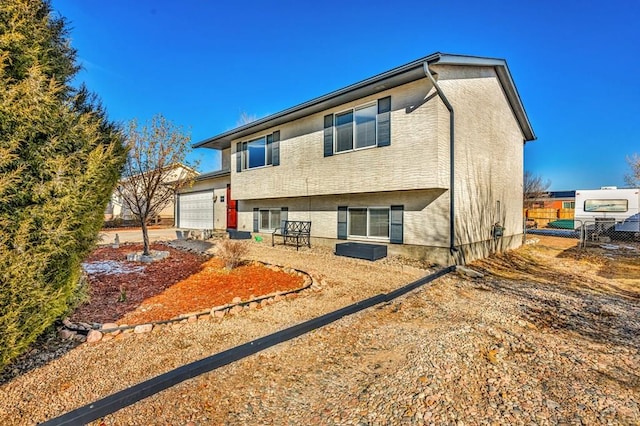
point(195, 210)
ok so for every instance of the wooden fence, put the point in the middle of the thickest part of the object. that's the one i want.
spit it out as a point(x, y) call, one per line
point(544, 216)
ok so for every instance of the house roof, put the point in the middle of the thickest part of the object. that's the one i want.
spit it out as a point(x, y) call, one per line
point(562, 194)
point(170, 167)
point(386, 80)
point(214, 174)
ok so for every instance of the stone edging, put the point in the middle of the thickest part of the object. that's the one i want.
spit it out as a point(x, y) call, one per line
point(108, 331)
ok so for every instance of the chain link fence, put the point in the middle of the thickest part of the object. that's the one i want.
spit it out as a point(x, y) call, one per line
point(600, 232)
point(610, 231)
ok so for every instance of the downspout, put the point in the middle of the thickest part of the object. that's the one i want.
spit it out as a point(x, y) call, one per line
point(445, 101)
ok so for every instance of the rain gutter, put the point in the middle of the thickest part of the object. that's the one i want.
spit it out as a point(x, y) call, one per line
point(445, 101)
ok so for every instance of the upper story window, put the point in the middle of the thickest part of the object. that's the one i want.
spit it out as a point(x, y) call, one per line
point(360, 127)
point(260, 152)
point(568, 204)
point(256, 153)
point(356, 128)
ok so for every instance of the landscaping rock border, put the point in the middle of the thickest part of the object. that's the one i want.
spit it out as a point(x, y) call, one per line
point(95, 332)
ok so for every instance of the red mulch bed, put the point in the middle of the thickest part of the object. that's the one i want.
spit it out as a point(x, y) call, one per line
point(182, 283)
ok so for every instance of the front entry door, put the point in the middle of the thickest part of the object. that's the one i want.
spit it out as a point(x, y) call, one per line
point(232, 210)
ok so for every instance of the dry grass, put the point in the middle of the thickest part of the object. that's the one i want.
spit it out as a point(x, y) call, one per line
point(559, 262)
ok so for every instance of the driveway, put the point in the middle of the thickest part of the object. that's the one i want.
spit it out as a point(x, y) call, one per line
point(134, 235)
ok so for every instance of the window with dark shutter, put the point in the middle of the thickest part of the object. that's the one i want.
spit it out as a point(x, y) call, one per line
point(342, 222)
point(239, 157)
point(328, 135)
point(344, 131)
point(384, 121)
point(256, 219)
point(260, 152)
point(284, 215)
point(275, 149)
point(397, 218)
point(269, 149)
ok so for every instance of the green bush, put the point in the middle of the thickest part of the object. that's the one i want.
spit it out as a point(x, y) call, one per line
point(117, 222)
point(60, 159)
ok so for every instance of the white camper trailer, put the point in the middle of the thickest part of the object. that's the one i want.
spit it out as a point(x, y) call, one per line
point(608, 210)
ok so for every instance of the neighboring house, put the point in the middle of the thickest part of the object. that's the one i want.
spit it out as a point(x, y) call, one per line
point(117, 209)
point(386, 161)
point(555, 200)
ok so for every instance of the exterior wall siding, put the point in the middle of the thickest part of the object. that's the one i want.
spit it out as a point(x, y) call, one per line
point(225, 159)
point(488, 154)
point(412, 161)
point(425, 219)
point(425, 225)
point(413, 171)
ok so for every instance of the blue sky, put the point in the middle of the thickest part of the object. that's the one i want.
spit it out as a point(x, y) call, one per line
point(203, 63)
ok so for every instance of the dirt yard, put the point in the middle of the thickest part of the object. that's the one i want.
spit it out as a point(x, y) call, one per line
point(548, 336)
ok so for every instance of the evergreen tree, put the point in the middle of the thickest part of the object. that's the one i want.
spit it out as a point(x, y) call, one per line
point(60, 159)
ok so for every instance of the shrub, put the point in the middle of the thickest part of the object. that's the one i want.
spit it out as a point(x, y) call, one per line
point(232, 252)
point(117, 222)
point(60, 159)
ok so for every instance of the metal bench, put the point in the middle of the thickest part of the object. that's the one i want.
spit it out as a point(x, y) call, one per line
point(293, 231)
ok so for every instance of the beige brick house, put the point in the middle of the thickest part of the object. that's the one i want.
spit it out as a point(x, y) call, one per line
point(426, 158)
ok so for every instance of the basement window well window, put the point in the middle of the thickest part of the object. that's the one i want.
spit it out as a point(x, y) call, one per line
point(269, 219)
point(356, 128)
point(371, 222)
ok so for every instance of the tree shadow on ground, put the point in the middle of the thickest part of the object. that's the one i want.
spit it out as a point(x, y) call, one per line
point(569, 296)
point(616, 261)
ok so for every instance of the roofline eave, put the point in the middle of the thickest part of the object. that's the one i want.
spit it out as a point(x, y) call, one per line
point(398, 76)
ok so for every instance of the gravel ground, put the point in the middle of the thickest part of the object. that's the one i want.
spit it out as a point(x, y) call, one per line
point(543, 338)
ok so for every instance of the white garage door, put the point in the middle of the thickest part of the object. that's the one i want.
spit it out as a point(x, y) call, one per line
point(195, 211)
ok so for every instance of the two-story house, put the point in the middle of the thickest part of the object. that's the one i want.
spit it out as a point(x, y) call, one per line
point(426, 158)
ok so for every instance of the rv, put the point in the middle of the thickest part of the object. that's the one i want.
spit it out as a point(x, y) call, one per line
point(609, 210)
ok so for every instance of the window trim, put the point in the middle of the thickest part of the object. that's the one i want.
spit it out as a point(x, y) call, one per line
point(353, 127)
point(368, 209)
point(244, 151)
point(270, 210)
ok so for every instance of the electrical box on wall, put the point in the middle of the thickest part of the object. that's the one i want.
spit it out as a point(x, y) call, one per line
point(497, 231)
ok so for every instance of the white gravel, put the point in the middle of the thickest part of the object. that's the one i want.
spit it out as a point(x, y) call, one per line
point(111, 267)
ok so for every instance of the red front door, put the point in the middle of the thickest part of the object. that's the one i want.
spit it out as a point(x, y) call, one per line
point(232, 210)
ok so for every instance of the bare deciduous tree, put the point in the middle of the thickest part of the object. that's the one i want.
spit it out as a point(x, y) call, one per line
point(155, 170)
point(633, 178)
point(534, 187)
point(246, 118)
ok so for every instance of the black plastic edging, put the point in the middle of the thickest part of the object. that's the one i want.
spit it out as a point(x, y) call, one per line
point(129, 396)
